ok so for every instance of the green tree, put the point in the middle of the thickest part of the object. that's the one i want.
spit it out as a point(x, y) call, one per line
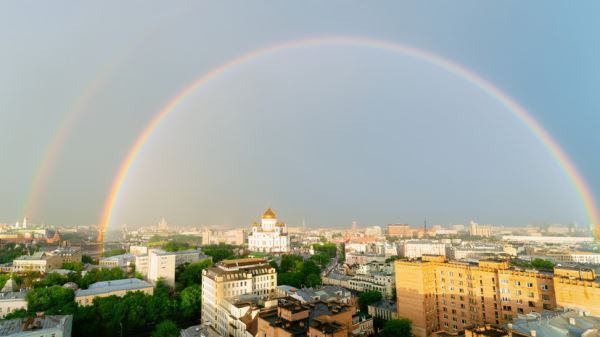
point(191, 301)
point(289, 263)
point(292, 278)
point(114, 252)
point(173, 246)
point(219, 252)
point(166, 328)
point(542, 264)
point(53, 279)
point(20, 313)
point(87, 259)
point(368, 297)
point(397, 328)
point(313, 280)
point(75, 266)
point(54, 300)
point(188, 274)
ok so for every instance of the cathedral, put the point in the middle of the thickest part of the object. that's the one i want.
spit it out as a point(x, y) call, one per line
point(270, 236)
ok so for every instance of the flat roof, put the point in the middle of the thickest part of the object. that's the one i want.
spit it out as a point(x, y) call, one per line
point(130, 284)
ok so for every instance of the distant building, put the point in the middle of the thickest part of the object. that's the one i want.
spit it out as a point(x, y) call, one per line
point(119, 288)
point(44, 326)
point(67, 254)
point(231, 237)
point(270, 236)
point(40, 262)
point(415, 249)
point(403, 231)
point(160, 264)
point(360, 258)
point(324, 293)
point(384, 309)
point(374, 231)
point(117, 261)
point(476, 229)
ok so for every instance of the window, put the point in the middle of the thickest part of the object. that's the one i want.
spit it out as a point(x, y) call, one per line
point(517, 283)
point(529, 285)
point(544, 286)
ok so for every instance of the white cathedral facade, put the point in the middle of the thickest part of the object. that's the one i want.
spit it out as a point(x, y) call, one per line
point(270, 236)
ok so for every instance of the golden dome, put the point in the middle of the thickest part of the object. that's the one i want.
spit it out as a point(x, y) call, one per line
point(269, 214)
point(280, 224)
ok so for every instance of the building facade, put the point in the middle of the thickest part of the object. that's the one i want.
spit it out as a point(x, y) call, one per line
point(230, 279)
point(270, 236)
point(440, 295)
point(119, 288)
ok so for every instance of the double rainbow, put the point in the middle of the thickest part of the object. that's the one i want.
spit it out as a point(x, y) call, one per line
point(517, 110)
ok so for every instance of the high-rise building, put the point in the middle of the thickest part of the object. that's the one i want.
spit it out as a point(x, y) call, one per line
point(270, 235)
point(440, 295)
point(577, 288)
point(230, 279)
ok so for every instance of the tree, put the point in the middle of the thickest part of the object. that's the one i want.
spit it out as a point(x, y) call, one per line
point(189, 274)
point(542, 264)
point(20, 313)
point(289, 263)
point(54, 300)
point(75, 266)
point(191, 301)
point(219, 252)
point(313, 280)
point(87, 259)
point(114, 252)
point(166, 328)
point(53, 279)
point(397, 328)
point(368, 297)
point(292, 278)
point(173, 246)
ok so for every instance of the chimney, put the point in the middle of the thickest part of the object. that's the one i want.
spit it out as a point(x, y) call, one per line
point(510, 330)
point(571, 320)
point(533, 333)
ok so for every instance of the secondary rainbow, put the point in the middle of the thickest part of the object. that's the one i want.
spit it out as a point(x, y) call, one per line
point(516, 109)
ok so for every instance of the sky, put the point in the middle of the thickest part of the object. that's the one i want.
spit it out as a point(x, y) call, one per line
point(327, 134)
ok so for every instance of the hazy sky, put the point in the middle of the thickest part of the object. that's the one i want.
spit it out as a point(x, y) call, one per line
point(327, 134)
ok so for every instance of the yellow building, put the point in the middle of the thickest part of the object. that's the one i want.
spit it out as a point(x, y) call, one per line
point(119, 288)
point(440, 295)
point(577, 288)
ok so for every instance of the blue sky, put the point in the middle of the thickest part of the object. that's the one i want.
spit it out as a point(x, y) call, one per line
point(326, 134)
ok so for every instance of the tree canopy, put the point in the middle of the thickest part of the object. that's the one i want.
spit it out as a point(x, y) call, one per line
point(368, 297)
point(397, 328)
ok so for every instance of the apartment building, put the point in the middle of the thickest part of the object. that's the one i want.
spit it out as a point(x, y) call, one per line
point(318, 319)
point(119, 288)
point(40, 262)
point(230, 279)
point(159, 264)
point(577, 288)
point(415, 249)
point(440, 295)
point(67, 254)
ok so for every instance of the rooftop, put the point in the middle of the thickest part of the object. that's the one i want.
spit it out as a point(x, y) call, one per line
point(130, 284)
point(20, 325)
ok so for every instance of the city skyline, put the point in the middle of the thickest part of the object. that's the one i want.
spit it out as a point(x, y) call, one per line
point(349, 132)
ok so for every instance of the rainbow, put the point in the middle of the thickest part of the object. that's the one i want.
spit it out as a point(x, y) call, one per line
point(50, 155)
point(517, 110)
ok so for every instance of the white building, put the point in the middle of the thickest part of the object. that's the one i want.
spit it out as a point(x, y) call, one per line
point(228, 281)
point(270, 235)
point(159, 264)
point(11, 299)
point(415, 249)
point(40, 262)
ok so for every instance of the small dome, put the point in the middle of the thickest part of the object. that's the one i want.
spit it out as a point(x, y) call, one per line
point(269, 214)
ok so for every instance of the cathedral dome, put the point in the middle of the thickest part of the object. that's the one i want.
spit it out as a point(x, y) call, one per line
point(269, 214)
